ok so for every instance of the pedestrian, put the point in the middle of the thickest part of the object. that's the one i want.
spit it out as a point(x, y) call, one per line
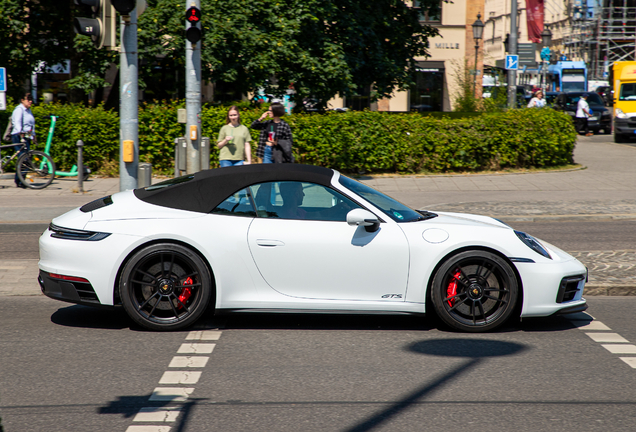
point(582, 114)
point(23, 123)
point(234, 141)
point(275, 140)
point(537, 100)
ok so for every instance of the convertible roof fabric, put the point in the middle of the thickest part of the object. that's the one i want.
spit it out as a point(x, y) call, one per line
point(203, 191)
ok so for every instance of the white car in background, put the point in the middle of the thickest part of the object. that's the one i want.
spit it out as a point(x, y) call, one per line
point(281, 237)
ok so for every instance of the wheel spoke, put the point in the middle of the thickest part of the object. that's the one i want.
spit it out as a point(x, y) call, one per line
point(188, 275)
point(153, 277)
point(171, 264)
point(496, 299)
point(472, 312)
point(182, 305)
point(458, 304)
point(174, 309)
point(154, 306)
point(142, 282)
point(148, 300)
point(464, 277)
point(481, 309)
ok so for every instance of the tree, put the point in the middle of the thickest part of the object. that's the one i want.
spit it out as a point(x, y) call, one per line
point(321, 48)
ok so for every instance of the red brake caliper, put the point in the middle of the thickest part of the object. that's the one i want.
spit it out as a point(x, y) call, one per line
point(451, 291)
point(187, 291)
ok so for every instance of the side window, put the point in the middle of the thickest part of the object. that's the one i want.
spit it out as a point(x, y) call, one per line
point(237, 204)
point(301, 201)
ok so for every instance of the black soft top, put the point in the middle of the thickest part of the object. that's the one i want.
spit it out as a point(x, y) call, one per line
point(204, 190)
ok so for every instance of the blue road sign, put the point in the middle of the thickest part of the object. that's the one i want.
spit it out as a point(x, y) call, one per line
point(3, 79)
point(512, 62)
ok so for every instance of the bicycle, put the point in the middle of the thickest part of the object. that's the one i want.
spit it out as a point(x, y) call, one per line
point(36, 169)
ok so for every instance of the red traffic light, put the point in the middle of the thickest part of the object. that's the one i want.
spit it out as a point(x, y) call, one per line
point(193, 15)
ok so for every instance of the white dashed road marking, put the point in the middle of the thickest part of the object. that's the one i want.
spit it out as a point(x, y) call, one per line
point(607, 337)
point(613, 342)
point(187, 377)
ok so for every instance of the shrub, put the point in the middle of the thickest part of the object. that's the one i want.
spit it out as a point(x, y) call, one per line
point(361, 141)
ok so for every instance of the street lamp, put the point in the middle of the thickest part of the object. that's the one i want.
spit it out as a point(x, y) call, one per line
point(478, 30)
point(546, 39)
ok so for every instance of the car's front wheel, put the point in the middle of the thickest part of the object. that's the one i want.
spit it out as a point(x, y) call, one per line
point(165, 287)
point(474, 291)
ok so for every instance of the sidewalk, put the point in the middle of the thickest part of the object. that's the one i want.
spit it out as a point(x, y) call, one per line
point(604, 189)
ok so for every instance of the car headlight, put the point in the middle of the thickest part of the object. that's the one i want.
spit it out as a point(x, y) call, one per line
point(618, 113)
point(74, 234)
point(533, 244)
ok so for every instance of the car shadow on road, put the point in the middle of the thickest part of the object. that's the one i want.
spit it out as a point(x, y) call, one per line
point(92, 317)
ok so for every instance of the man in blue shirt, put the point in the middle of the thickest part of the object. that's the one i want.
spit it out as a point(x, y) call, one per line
point(23, 123)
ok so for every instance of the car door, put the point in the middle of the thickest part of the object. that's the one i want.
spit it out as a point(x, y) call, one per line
point(303, 246)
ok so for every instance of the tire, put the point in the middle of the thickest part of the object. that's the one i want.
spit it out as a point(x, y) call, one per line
point(618, 138)
point(154, 287)
point(36, 170)
point(474, 291)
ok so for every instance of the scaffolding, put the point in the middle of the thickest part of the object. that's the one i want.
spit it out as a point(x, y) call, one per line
point(616, 31)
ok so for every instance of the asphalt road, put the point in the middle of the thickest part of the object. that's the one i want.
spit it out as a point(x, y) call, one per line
point(68, 367)
point(20, 241)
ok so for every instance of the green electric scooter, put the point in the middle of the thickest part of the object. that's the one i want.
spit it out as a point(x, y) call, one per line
point(47, 150)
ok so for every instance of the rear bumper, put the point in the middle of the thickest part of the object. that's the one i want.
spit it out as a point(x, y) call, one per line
point(68, 291)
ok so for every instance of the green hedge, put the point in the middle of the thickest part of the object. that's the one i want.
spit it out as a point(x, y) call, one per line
point(370, 142)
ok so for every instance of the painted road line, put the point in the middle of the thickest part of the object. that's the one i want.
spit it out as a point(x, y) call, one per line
point(148, 429)
point(171, 394)
point(180, 377)
point(188, 362)
point(630, 361)
point(590, 325)
point(620, 348)
point(153, 414)
point(204, 335)
point(195, 348)
point(607, 337)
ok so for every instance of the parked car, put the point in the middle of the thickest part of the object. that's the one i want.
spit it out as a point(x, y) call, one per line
point(601, 116)
point(607, 94)
point(281, 237)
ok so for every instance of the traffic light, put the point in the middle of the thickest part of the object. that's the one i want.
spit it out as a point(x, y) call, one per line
point(101, 26)
point(193, 16)
point(124, 7)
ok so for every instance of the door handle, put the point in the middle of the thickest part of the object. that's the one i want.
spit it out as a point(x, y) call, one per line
point(269, 243)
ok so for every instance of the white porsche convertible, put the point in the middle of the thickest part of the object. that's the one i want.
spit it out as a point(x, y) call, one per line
point(297, 237)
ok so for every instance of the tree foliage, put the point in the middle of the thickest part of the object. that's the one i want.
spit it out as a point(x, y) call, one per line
point(320, 47)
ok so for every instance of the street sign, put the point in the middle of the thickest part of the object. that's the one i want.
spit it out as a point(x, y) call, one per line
point(512, 62)
point(3, 79)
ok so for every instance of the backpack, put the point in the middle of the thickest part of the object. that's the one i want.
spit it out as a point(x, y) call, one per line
point(7, 133)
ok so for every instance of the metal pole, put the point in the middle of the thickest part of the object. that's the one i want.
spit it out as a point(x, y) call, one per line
point(193, 100)
point(80, 166)
point(475, 78)
point(512, 43)
point(128, 105)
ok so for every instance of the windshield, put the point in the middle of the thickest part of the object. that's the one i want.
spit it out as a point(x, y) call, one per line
point(592, 99)
point(392, 208)
point(628, 92)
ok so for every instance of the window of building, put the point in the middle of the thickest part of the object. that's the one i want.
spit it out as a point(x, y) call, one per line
point(428, 92)
point(429, 13)
point(360, 101)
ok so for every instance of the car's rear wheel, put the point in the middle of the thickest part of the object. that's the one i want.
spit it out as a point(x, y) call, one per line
point(474, 291)
point(165, 287)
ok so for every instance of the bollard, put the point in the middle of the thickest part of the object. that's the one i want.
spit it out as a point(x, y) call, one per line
point(205, 153)
point(80, 166)
point(144, 175)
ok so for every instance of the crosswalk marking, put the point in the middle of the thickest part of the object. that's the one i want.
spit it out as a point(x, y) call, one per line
point(171, 394)
point(188, 362)
point(620, 348)
point(630, 361)
point(180, 377)
point(607, 337)
point(151, 414)
point(195, 348)
point(204, 335)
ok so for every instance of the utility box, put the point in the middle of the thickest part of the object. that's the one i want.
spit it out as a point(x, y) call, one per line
point(180, 155)
point(205, 153)
point(181, 115)
point(144, 175)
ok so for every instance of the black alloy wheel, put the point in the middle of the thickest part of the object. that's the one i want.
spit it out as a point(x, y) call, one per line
point(475, 291)
point(165, 287)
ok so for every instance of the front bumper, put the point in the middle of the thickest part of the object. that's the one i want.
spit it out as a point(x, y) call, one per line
point(625, 126)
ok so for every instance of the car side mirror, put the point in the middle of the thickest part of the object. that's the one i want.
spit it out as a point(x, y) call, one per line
point(361, 217)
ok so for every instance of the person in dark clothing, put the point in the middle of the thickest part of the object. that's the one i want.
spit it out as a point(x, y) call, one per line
point(275, 140)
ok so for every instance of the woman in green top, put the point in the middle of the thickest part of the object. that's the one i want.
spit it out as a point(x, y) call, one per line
point(234, 141)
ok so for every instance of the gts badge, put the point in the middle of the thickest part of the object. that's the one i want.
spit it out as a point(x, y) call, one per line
point(392, 296)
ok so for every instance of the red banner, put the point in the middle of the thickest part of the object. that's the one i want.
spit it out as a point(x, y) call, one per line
point(534, 13)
